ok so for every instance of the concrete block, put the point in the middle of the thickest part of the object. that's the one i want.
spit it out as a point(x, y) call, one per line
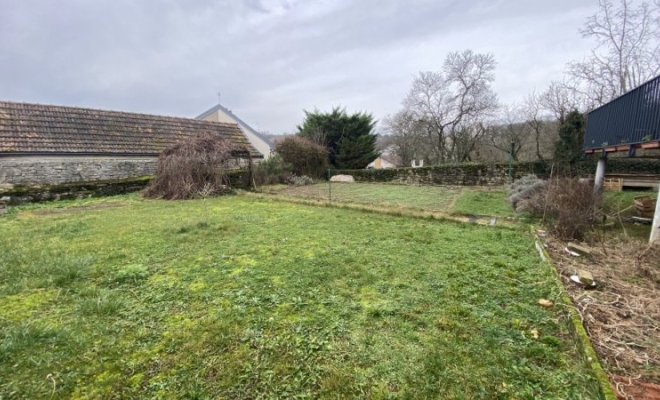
point(586, 277)
point(579, 249)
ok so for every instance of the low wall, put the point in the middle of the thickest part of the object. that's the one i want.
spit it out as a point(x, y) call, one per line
point(497, 174)
point(68, 191)
point(19, 194)
point(54, 170)
point(455, 175)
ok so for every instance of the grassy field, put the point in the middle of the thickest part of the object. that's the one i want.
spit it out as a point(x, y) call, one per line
point(452, 200)
point(124, 298)
point(483, 202)
point(433, 198)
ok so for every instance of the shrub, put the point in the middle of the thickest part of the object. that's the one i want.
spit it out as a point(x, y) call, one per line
point(302, 180)
point(527, 194)
point(570, 208)
point(199, 164)
point(271, 171)
point(565, 203)
point(304, 156)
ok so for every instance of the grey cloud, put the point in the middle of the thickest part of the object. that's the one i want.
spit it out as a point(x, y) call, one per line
point(270, 59)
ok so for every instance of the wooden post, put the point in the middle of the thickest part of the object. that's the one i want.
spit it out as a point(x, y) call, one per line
point(655, 230)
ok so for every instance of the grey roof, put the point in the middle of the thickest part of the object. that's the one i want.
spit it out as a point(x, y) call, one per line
point(219, 107)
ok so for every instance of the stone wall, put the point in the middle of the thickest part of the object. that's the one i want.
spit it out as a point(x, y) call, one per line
point(33, 179)
point(473, 174)
point(456, 175)
point(51, 170)
point(68, 191)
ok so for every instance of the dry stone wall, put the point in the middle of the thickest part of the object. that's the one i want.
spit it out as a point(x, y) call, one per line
point(46, 170)
point(34, 179)
point(473, 174)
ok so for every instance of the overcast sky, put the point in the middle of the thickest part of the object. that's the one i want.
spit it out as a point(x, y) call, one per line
point(270, 59)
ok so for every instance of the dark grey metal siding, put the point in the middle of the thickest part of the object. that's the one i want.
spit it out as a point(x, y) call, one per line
point(632, 118)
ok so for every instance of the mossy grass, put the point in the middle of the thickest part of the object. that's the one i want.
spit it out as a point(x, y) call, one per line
point(275, 300)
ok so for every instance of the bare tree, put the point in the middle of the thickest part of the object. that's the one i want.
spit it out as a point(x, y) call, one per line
point(560, 99)
point(408, 137)
point(511, 132)
point(531, 111)
point(449, 105)
point(627, 51)
point(465, 138)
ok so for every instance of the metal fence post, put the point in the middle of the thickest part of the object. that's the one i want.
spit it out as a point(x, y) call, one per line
point(329, 185)
point(513, 146)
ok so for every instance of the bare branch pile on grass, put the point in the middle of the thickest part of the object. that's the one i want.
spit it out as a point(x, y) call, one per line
point(199, 164)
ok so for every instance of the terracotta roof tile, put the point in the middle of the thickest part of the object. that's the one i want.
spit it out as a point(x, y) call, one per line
point(36, 128)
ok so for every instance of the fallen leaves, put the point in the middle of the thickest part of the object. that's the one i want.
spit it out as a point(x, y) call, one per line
point(545, 303)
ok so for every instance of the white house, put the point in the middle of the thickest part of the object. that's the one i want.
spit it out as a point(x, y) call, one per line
point(258, 140)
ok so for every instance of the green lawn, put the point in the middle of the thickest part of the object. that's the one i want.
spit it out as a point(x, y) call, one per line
point(432, 198)
point(125, 298)
point(618, 201)
point(483, 202)
point(452, 200)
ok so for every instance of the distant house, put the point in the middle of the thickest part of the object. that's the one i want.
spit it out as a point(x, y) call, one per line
point(258, 140)
point(387, 159)
point(47, 145)
point(384, 162)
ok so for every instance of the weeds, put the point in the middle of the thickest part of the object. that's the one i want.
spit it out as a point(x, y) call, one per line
point(101, 302)
point(272, 171)
point(302, 180)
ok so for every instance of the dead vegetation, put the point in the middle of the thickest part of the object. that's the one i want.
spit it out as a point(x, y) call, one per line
point(200, 164)
point(565, 205)
point(622, 316)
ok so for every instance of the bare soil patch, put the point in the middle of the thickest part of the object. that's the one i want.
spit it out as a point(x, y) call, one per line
point(622, 315)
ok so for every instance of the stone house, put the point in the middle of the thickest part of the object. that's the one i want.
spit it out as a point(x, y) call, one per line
point(258, 140)
point(50, 145)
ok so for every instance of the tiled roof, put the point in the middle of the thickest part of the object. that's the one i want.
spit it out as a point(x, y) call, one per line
point(36, 128)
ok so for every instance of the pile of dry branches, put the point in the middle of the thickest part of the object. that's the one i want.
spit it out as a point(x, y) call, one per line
point(199, 164)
